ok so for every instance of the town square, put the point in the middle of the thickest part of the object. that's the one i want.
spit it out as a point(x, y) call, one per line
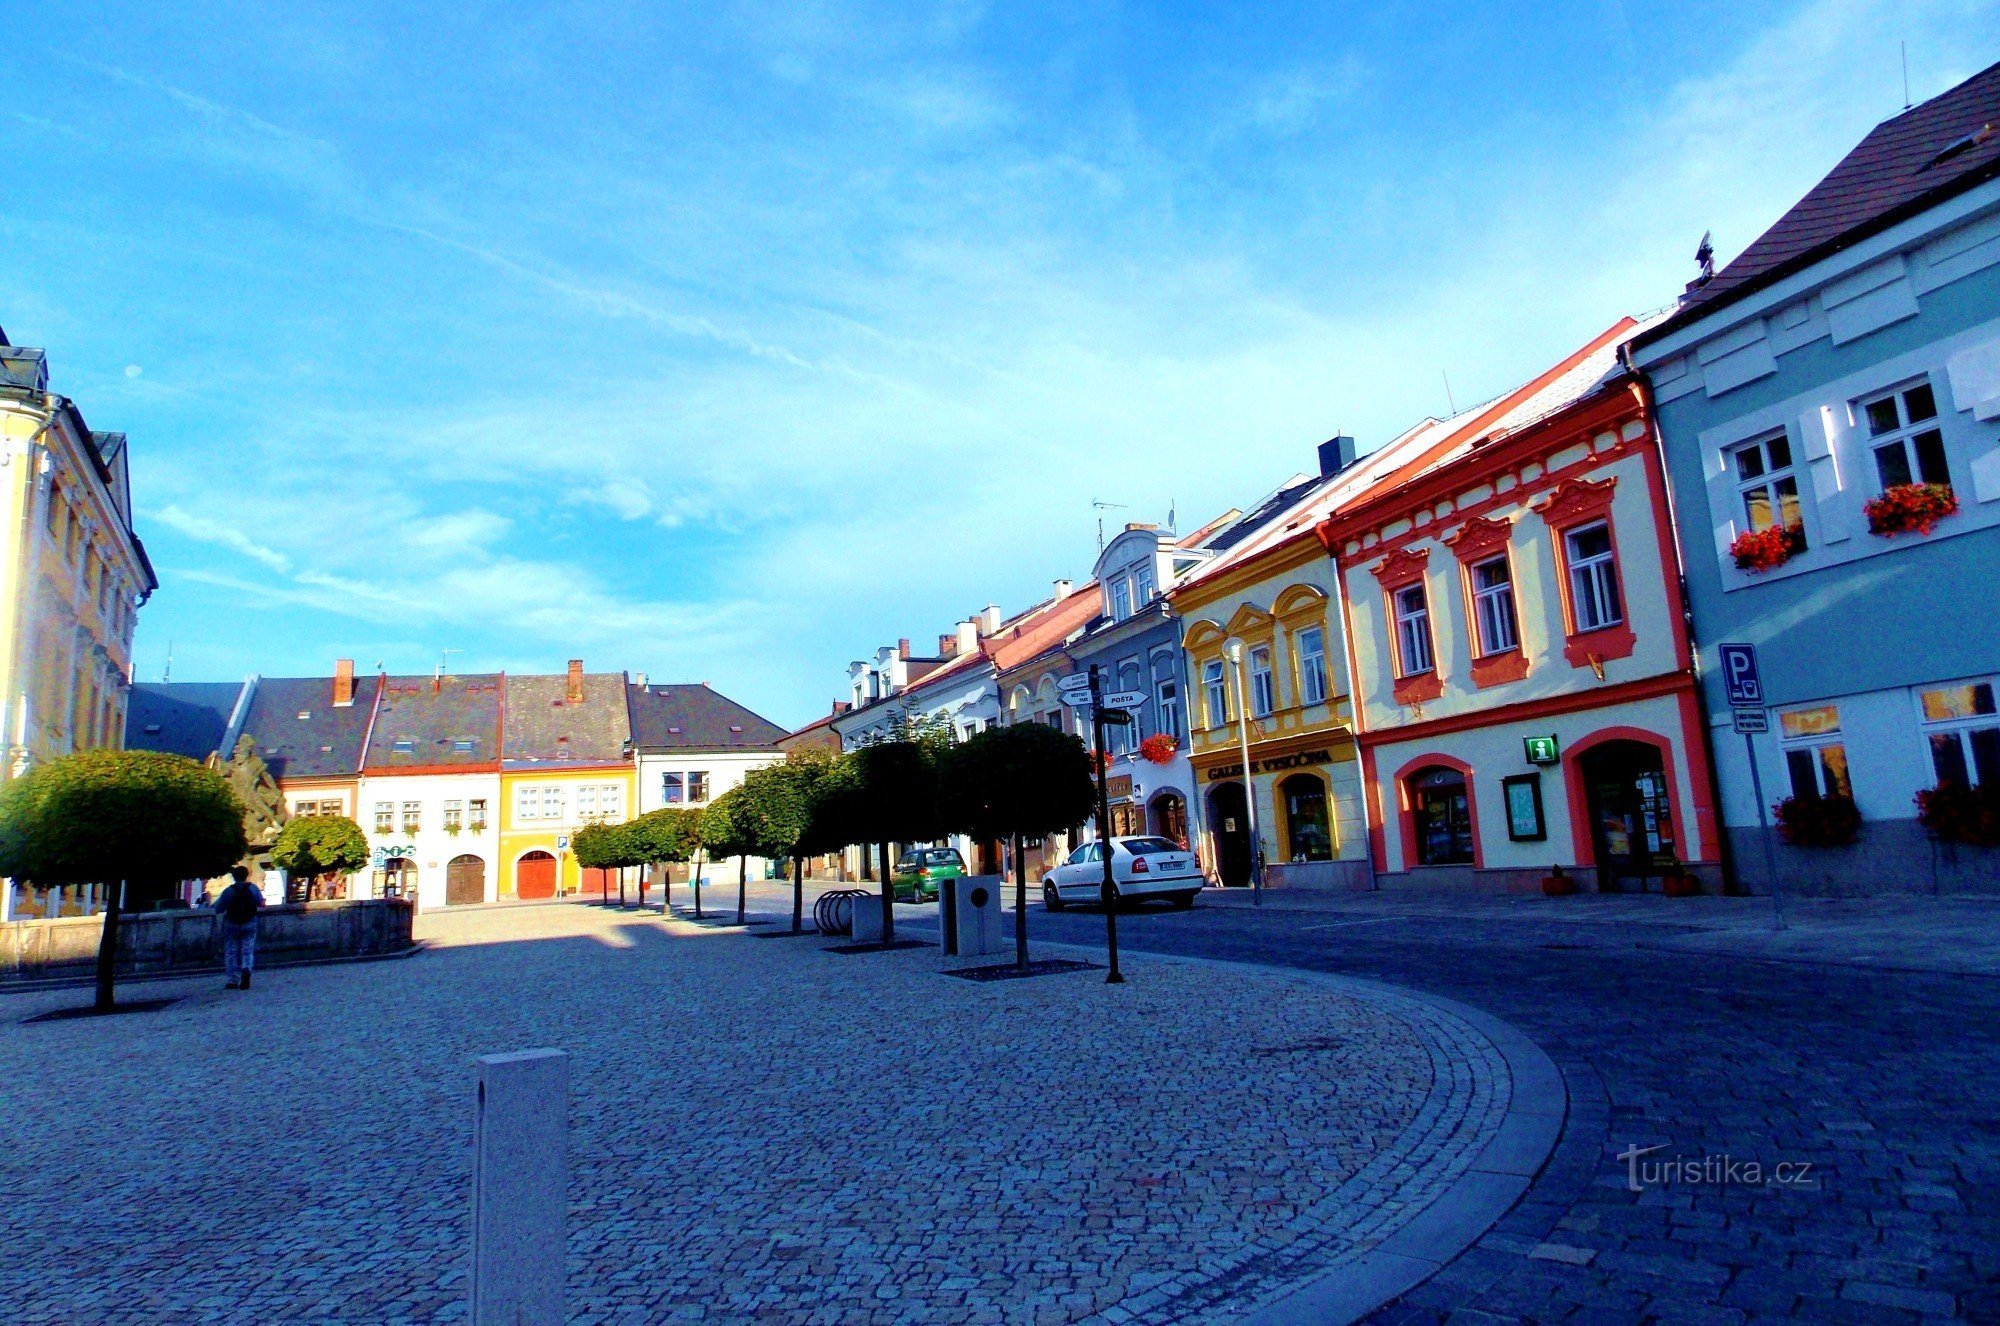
point(904, 663)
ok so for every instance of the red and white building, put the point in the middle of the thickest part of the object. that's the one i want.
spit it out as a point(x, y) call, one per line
point(1524, 685)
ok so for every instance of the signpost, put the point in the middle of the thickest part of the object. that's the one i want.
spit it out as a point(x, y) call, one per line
point(1746, 698)
point(1098, 718)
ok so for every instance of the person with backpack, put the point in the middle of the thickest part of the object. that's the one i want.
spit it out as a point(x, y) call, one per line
point(238, 907)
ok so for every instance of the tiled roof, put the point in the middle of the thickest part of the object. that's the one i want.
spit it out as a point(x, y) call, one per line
point(180, 717)
point(425, 722)
point(696, 716)
point(1905, 165)
point(543, 725)
point(301, 733)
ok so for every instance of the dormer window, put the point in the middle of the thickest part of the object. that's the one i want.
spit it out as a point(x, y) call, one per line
point(1121, 599)
point(404, 746)
point(463, 745)
point(305, 715)
point(1144, 591)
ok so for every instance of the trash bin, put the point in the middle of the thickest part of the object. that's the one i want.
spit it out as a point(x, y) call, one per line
point(971, 917)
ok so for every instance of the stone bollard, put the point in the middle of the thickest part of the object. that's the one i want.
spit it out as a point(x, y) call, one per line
point(974, 919)
point(520, 1189)
point(867, 914)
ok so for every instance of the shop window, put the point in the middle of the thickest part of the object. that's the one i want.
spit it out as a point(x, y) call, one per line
point(1904, 435)
point(1815, 755)
point(1964, 733)
point(1308, 829)
point(1767, 486)
point(1442, 807)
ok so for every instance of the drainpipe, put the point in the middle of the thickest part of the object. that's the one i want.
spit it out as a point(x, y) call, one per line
point(1354, 715)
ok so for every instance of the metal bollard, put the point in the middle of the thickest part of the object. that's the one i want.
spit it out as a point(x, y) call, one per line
point(520, 1189)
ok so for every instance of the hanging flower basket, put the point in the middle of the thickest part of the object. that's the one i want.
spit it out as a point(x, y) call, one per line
point(1910, 508)
point(1767, 549)
point(1828, 821)
point(1158, 748)
point(1960, 814)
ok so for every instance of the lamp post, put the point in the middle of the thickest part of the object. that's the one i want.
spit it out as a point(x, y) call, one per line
point(1249, 790)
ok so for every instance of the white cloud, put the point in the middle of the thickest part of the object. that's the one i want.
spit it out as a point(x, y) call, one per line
point(204, 529)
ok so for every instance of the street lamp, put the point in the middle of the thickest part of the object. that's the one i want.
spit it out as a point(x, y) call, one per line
point(1235, 650)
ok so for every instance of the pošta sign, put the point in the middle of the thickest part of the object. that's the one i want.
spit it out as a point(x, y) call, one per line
point(1272, 765)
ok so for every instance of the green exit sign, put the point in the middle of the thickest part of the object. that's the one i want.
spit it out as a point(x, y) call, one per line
point(1541, 750)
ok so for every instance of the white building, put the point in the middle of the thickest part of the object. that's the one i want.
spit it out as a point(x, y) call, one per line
point(692, 745)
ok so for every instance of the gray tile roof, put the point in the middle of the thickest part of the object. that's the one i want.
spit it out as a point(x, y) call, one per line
point(695, 716)
point(301, 733)
point(543, 726)
point(180, 717)
point(429, 722)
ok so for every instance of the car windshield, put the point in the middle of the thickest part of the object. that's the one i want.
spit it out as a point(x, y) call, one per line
point(1150, 846)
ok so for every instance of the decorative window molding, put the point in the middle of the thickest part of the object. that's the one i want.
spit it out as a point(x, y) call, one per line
point(1480, 538)
point(1574, 503)
point(1400, 567)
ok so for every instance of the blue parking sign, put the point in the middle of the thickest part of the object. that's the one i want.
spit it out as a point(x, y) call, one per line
point(1739, 674)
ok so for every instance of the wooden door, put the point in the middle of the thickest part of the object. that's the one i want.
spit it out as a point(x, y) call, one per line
point(535, 876)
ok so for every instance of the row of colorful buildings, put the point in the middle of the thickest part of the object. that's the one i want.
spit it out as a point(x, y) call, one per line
point(1490, 646)
point(470, 788)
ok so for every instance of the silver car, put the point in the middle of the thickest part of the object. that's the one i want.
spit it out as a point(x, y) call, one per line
point(1140, 868)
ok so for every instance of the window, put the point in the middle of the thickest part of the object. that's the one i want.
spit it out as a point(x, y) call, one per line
point(1215, 693)
point(1263, 690)
point(552, 803)
point(1493, 606)
point(1815, 758)
point(1312, 665)
point(385, 815)
point(475, 814)
point(610, 801)
point(1413, 630)
point(1308, 831)
point(57, 509)
point(527, 803)
point(413, 816)
point(1121, 599)
point(1167, 696)
point(671, 789)
point(1964, 733)
point(1904, 435)
point(697, 787)
point(1593, 577)
point(1143, 589)
point(1442, 808)
point(1767, 486)
point(454, 815)
point(403, 746)
point(586, 803)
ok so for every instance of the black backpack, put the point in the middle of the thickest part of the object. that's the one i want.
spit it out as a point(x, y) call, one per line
point(238, 904)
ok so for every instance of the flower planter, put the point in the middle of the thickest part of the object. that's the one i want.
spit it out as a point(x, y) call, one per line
point(1767, 549)
point(1158, 748)
point(1679, 886)
point(1824, 821)
point(1910, 508)
point(1558, 886)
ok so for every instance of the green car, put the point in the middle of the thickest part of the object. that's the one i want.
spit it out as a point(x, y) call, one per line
point(920, 870)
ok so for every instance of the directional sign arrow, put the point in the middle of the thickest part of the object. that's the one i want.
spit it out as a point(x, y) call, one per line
point(1071, 684)
point(1075, 700)
point(1124, 699)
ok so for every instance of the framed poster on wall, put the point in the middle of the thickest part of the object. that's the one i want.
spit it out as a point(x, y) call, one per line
point(1523, 794)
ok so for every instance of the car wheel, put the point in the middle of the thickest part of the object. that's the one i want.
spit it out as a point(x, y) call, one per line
point(1183, 901)
point(1051, 900)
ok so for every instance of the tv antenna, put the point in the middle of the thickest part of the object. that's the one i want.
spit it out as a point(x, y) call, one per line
point(1906, 73)
point(1101, 508)
point(1450, 404)
point(444, 659)
point(167, 673)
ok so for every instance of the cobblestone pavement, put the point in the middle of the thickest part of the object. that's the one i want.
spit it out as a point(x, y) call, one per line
point(1884, 1081)
point(759, 1130)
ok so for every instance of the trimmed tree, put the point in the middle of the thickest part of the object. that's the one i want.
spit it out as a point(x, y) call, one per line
point(898, 799)
point(314, 846)
point(781, 798)
point(1015, 783)
point(599, 847)
point(660, 837)
point(729, 828)
point(138, 821)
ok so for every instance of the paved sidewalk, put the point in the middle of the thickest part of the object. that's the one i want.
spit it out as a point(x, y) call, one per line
point(760, 1131)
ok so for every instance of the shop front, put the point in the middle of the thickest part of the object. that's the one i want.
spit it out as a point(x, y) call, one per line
point(1307, 817)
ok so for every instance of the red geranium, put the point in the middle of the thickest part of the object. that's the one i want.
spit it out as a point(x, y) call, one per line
point(1828, 821)
point(1159, 748)
point(1910, 508)
point(1960, 814)
point(1764, 549)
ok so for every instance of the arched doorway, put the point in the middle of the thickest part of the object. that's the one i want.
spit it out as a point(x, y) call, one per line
point(464, 881)
point(1441, 808)
point(1308, 829)
point(1229, 821)
point(1168, 814)
point(535, 876)
point(1631, 815)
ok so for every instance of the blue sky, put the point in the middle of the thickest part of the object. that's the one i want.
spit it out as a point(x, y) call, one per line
point(726, 342)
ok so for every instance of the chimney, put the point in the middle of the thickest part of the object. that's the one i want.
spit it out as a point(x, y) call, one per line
point(989, 619)
point(903, 647)
point(574, 692)
point(948, 646)
point(968, 636)
point(639, 680)
point(1335, 455)
point(1063, 588)
point(343, 682)
point(841, 706)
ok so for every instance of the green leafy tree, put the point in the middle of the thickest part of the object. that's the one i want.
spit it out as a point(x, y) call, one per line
point(1015, 783)
point(312, 847)
point(898, 799)
point(781, 799)
point(601, 847)
point(250, 779)
point(659, 837)
point(729, 828)
point(138, 822)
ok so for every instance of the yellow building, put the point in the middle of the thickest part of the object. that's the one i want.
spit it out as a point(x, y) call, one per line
point(566, 761)
point(75, 575)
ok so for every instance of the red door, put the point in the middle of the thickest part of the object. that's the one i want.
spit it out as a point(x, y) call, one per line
point(599, 881)
point(535, 876)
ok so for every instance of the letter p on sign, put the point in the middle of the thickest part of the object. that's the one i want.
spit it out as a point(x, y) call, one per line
point(1739, 674)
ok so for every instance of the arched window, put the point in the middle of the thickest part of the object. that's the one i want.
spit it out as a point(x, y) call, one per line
point(1442, 809)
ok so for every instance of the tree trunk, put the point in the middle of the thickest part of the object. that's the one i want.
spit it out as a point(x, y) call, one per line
point(742, 884)
point(666, 888)
point(798, 894)
point(888, 898)
point(621, 888)
point(697, 886)
point(1020, 905)
point(107, 951)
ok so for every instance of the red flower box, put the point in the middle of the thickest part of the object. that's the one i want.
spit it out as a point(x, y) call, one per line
point(1159, 748)
point(1910, 508)
point(1828, 821)
point(1768, 548)
point(1960, 814)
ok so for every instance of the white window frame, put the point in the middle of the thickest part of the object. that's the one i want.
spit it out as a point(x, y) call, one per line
point(1263, 683)
point(1311, 648)
point(475, 814)
point(698, 787)
point(1962, 729)
point(1767, 483)
point(1593, 579)
point(1825, 750)
point(1144, 590)
point(1414, 654)
point(1215, 693)
point(454, 814)
point(1905, 436)
point(413, 817)
point(385, 817)
point(1496, 623)
point(1121, 599)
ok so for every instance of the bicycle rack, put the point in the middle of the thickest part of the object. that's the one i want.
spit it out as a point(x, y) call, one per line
point(834, 912)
